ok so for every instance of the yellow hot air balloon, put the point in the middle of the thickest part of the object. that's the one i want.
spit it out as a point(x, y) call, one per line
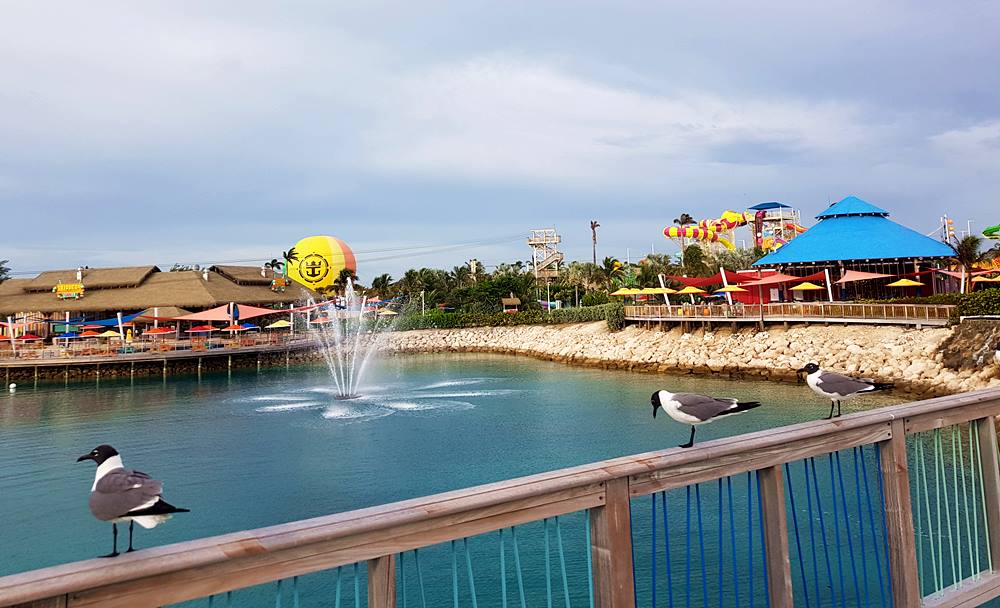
point(316, 261)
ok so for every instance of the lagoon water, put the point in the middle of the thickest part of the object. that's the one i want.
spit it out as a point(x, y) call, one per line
point(253, 449)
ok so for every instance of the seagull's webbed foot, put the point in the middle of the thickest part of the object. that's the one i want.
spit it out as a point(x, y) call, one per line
point(115, 554)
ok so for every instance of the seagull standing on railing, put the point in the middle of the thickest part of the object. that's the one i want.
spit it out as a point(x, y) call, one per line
point(689, 408)
point(838, 387)
point(120, 495)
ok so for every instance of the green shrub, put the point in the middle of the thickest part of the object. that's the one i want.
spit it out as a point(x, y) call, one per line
point(436, 319)
point(985, 302)
point(941, 298)
point(616, 317)
point(595, 298)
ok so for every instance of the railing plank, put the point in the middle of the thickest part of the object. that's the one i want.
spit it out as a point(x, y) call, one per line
point(775, 522)
point(966, 594)
point(899, 519)
point(611, 549)
point(382, 582)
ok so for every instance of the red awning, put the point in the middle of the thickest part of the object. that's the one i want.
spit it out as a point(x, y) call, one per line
point(715, 279)
point(856, 275)
point(29, 338)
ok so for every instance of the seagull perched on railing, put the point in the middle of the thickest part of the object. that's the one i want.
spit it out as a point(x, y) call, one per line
point(689, 408)
point(838, 387)
point(120, 495)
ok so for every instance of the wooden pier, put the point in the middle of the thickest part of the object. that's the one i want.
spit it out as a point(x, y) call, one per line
point(608, 494)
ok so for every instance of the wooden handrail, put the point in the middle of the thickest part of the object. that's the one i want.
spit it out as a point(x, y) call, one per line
point(192, 569)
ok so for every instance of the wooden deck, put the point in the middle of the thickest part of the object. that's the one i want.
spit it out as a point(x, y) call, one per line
point(376, 535)
point(921, 315)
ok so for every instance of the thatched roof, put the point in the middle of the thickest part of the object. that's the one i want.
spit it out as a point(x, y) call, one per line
point(185, 289)
point(510, 301)
point(93, 278)
point(243, 275)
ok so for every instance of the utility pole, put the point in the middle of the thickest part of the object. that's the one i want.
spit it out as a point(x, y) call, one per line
point(593, 235)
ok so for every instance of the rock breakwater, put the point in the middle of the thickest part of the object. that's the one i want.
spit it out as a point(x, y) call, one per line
point(909, 357)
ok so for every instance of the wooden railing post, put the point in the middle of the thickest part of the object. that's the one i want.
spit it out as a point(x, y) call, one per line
point(611, 548)
point(899, 519)
point(382, 582)
point(775, 522)
point(986, 428)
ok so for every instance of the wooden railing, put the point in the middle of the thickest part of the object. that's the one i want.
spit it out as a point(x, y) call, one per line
point(377, 535)
point(85, 349)
point(793, 310)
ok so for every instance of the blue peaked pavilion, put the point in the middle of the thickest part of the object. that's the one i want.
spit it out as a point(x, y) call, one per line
point(856, 231)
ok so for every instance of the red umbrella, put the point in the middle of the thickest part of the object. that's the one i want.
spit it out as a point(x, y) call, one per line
point(92, 327)
point(29, 338)
point(90, 334)
point(158, 330)
point(234, 328)
point(321, 320)
point(201, 329)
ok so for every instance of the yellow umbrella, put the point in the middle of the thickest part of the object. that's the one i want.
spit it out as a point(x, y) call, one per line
point(905, 283)
point(691, 289)
point(985, 280)
point(279, 324)
point(660, 290)
point(731, 289)
point(388, 313)
point(621, 292)
point(807, 286)
point(110, 334)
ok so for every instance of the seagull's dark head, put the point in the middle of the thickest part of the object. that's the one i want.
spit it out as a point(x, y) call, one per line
point(99, 454)
point(655, 400)
point(810, 368)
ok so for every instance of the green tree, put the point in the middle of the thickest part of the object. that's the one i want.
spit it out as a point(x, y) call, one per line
point(695, 262)
point(738, 259)
point(4, 270)
point(967, 254)
point(611, 268)
point(345, 275)
point(381, 285)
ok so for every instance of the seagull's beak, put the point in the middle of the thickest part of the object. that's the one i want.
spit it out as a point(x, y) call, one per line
point(801, 370)
point(85, 457)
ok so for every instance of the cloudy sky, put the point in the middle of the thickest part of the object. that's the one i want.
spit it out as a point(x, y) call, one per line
point(199, 132)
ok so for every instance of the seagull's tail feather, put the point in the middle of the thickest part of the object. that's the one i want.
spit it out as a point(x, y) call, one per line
point(741, 406)
point(882, 386)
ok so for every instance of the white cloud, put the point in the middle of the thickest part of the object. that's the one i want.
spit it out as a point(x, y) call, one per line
point(974, 147)
point(501, 118)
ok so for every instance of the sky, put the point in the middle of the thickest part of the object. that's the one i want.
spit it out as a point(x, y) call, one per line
point(428, 133)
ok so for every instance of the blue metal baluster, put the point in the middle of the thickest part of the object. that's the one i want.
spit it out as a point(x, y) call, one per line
point(701, 545)
point(548, 569)
point(357, 586)
point(211, 600)
point(822, 530)
point(420, 578)
point(732, 537)
point(750, 585)
point(795, 528)
point(652, 560)
point(336, 597)
point(871, 526)
point(885, 525)
point(472, 578)
point(666, 550)
point(687, 544)
point(562, 562)
point(812, 534)
point(847, 527)
point(517, 565)
point(763, 547)
point(295, 592)
point(590, 559)
point(277, 594)
point(836, 531)
point(721, 552)
point(402, 577)
point(454, 575)
point(503, 573)
point(861, 526)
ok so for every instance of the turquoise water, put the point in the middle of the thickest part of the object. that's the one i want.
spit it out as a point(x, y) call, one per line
point(255, 449)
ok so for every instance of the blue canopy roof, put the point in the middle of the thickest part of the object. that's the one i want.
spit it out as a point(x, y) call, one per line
point(852, 205)
point(770, 205)
point(853, 229)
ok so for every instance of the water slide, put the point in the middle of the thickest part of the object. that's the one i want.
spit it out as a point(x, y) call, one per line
point(993, 232)
point(697, 233)
point(798, 229)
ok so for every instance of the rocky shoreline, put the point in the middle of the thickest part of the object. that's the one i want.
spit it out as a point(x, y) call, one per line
point(911, 358)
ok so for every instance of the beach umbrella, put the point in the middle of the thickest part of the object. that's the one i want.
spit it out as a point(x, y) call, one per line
point(807, 286)
point(201, 329)
point(691, 289)
point(282, 324)
point(90, 334)
point(30, 338)
point(249, 326)
point(661, 290)
point(388, 313)
point(110, 334)
point(621, 292)
point(156, 331)
point(905, 283)
point(234, 327)
point(985, 280)
point(319, 320)
point(731, 289)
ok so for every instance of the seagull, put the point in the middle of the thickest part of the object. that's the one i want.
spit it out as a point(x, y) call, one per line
point(838, 387)
point(120, 495)
point(693, 409)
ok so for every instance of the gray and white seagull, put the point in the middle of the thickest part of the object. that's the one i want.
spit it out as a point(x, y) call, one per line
point(120, 495)
point(693, 409)
point(838, 387)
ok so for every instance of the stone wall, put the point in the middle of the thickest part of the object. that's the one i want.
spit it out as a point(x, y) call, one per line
point(909, 357)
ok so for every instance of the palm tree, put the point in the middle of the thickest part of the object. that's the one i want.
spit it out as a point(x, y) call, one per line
point(612, 269)
point(684, 220)
point(345, 275)
point(968, 254)
point(289, 256)
point(274, 265)
point(381, 283)
point(461, 276)
point(4, 270)
point(593, 236)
